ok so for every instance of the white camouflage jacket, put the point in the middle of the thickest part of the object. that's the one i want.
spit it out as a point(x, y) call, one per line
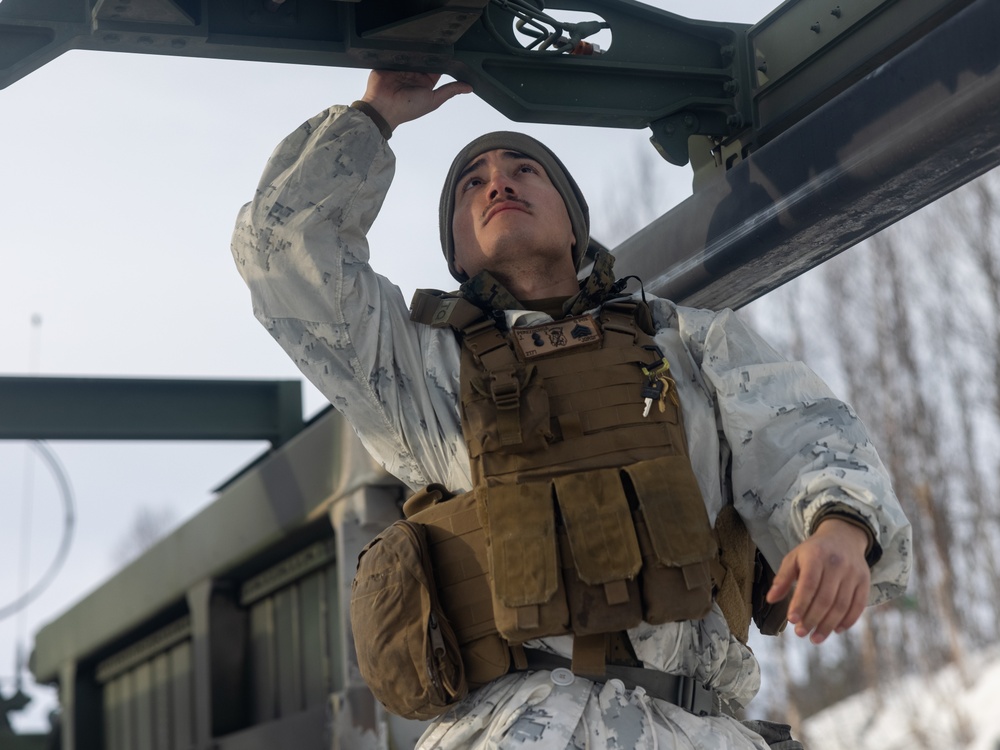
point(300, 246)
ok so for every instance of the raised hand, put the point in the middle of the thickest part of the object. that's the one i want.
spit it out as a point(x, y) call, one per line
point(401, 96)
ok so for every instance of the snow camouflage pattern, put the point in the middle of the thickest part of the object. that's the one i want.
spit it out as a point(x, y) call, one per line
point(795, 449)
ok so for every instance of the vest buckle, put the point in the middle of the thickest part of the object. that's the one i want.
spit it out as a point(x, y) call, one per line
point(505, 388)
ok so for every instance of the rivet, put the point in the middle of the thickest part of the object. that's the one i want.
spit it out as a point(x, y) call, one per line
point(815, 27)
point(836, 12)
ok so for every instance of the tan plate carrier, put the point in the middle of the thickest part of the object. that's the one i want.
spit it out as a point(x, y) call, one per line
point(586, 516)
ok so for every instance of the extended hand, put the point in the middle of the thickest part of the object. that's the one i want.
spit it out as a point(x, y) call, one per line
point(831, 580)
point(401, 96)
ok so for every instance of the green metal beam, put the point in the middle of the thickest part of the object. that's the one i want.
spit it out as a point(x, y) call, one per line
point(920, 126)
point(806, 52)
point(52, 408)
point(680, 77)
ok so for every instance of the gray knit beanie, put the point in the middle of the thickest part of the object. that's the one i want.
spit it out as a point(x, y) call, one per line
point(576, 204)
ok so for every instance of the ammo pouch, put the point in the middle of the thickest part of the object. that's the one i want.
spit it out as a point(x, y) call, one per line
point(458, 553)
point(407, 651)
point(587, 553)
point(617, 546)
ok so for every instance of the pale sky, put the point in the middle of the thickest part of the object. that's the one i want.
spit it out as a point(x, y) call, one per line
point(122, 175)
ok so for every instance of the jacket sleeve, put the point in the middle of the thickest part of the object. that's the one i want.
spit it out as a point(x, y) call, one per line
point(797, 451)
point(301, 247)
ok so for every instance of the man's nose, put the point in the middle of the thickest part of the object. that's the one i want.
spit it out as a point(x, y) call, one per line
point(500, 184)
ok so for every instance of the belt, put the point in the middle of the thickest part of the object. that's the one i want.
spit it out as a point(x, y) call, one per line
point(684, 692)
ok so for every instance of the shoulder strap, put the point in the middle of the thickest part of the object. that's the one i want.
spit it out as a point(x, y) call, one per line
point(506, 376)
point(487, 345)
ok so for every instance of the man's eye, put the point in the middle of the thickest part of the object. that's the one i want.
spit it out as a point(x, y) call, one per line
point(471, 182)
point(528, 168)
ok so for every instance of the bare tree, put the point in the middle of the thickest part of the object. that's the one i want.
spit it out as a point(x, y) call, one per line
point(913, 316)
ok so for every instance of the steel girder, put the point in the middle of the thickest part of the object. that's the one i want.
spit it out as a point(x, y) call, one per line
point(54, 408)
point(659, 65)
point(917, 127)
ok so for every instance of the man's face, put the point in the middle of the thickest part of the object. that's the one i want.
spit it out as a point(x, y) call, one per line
point(507, 211)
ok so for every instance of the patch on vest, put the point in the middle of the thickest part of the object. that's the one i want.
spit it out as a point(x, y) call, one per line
point(548, 338)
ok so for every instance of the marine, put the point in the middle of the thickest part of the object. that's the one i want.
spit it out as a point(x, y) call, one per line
point(661, 442)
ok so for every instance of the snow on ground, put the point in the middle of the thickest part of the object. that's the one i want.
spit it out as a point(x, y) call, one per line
point(935, 711)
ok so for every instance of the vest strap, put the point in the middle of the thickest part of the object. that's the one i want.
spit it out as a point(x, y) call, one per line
point(685, 692)
point(619, 321)
point(505, 377)
point(588, 655)
point(519, 657)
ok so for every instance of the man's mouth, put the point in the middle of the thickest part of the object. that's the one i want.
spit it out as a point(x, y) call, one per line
point(505, 205)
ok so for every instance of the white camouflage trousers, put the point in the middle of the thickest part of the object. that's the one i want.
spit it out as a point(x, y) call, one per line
point(525, 711)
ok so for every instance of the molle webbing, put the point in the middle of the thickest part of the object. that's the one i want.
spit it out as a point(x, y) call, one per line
point(576, 488)
point(575, 410)
point(459, 558)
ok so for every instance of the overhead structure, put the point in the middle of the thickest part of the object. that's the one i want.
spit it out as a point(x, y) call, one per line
point(678, 76)
point(519, 58)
